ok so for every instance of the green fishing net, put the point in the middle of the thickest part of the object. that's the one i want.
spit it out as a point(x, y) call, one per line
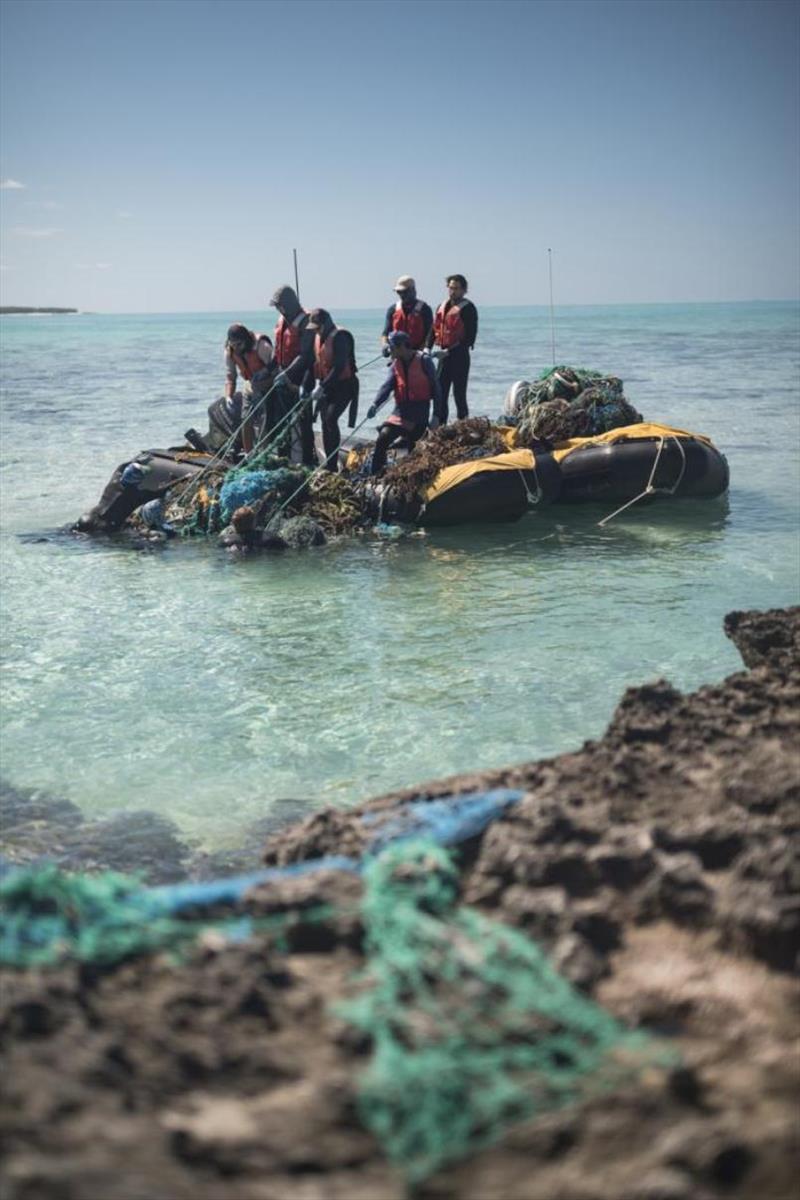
point(48, 915)
point(471, 1027)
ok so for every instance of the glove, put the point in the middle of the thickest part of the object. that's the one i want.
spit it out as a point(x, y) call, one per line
point(281, 377)
point(318, 393)
point(372, 411)
point(386, 352)
point(434, 422)
point(439, 353)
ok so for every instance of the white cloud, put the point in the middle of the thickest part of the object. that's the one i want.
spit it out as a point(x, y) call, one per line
point(124, 214)
point(10, 185)
point(27, 231)
point(97, 266)
point(50, 205)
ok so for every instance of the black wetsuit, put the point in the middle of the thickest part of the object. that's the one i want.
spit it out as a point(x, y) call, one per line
point(340, 394)
point(454, 367)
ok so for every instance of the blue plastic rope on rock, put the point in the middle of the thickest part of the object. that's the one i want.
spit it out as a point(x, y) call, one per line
point(178, 897)
point(447, 821)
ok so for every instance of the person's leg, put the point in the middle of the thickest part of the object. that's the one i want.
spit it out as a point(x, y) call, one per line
point(330, 435)
point(445, 380)
point(460, 372)
point(387, 436)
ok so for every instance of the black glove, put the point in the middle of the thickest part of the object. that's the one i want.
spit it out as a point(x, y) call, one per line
point(386, 352)
point(372, 411)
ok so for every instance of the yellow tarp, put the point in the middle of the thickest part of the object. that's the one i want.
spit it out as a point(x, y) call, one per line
point(450, 477)
point(627, 433)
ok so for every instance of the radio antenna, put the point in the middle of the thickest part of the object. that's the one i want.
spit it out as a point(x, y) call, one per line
point(552, 316)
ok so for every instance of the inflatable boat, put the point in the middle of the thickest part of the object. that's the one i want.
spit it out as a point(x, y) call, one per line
point(631, 463)
point(635, 461)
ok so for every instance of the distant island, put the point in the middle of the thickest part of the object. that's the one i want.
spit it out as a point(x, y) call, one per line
point(12, 308)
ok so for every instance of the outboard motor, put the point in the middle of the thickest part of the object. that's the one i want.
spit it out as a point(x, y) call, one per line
point(516, 396)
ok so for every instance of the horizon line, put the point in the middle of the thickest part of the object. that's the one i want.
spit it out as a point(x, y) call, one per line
point(43, 310)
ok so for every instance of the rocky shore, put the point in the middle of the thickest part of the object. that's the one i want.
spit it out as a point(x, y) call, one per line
point(659, 869)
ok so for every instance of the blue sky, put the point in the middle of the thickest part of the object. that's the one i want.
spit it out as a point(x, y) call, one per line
point(165, 156)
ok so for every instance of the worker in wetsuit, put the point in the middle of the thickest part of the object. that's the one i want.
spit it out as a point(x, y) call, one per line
point(455, 328)
point(294, 353)
point(334, 380)
point(408, 314)
point(249, 355)
point(414, 382)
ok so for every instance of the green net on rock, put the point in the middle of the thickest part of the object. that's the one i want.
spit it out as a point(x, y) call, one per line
point(47, 916)
point(472, 1029)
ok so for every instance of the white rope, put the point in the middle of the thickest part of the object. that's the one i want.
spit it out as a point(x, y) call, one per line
point(529, 496)
point(650, 489)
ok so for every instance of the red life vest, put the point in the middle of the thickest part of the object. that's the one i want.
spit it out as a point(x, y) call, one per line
point(410, 323)
point(287, 338)
point(323, 358)
point(250, 363)
point(411, 384)
point(448, 328)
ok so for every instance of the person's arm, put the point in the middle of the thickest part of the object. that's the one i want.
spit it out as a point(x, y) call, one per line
point(387, 327)
point(429, 368)
point(383, 394)
point(230, 375)
point(469, 315)
point(427, 323)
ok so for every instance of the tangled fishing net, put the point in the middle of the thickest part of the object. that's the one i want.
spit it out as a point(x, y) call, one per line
point(47, 915)
point(571, 402)
point(471, 1027)
point(271, 491)
point(471, 438)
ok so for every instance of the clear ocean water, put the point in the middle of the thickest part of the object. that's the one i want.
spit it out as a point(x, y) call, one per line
point(179, 680)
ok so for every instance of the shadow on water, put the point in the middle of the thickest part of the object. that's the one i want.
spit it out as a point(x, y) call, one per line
point(659, 529)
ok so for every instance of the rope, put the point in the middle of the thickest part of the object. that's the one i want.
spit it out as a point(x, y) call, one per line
point(651, 489)
point(265, 443)
point(219, 456)
point(529, 496)
point(317, 470)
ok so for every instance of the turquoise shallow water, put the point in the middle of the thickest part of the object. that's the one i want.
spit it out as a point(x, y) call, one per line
point(205, 688)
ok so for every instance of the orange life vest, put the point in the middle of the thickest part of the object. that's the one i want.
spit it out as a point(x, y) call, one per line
point(410, 323)
point(287, 338)
point(323, 358)
point(411, 384)
point(448, 327)
point(250, 364)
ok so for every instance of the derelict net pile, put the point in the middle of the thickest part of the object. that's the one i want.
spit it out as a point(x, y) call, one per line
point(266, 493)
point(471, 438)
point(471, 1028)
point(571, 402)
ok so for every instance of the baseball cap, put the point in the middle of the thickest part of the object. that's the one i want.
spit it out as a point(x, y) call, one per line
point(405, 284)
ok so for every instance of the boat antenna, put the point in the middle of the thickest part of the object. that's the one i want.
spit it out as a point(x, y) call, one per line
point(296, 279)
point(552, 317)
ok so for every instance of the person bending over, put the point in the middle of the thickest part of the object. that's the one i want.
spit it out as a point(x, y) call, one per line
point(294, 351)
point(336, 380)
point(250, 355)
point(413, 381)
